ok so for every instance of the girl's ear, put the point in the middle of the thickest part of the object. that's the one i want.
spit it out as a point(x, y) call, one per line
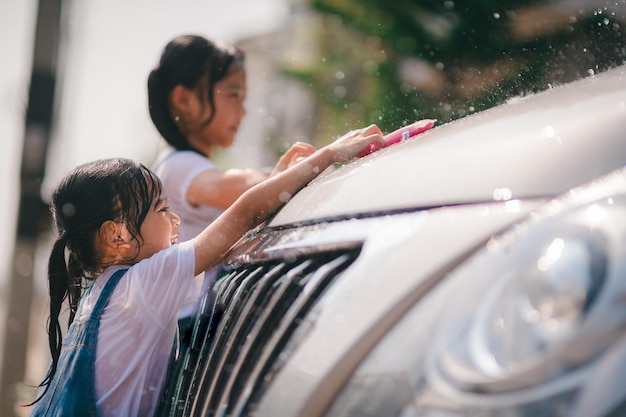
point(184, 103)
point(114, 234)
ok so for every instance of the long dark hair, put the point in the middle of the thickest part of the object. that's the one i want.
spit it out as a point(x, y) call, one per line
point(116, 189)
point(187, 60)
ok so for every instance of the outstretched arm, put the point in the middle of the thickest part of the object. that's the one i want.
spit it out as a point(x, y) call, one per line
point(259, 202)
point(218, 188)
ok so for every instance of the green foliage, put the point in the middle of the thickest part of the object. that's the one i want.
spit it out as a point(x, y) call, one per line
point(394, 62)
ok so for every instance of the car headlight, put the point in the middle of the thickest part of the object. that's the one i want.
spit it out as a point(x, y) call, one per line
point(540, 303)
point(531, 324)
point(535, 302)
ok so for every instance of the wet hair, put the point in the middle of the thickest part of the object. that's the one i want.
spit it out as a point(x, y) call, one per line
point(116, 189)
point(195, 63)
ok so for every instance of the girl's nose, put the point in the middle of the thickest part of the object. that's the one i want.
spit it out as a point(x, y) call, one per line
point(175, 219)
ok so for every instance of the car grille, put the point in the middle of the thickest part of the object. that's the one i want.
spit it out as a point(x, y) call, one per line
point(246, 329)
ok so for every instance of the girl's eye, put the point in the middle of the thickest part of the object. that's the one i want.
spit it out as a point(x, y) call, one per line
point(165, 208)
point(236, 93)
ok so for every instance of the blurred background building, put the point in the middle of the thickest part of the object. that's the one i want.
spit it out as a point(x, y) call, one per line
point(316, 69)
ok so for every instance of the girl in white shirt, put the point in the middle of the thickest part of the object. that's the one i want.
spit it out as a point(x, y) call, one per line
point(196, 99)
point(113, 218)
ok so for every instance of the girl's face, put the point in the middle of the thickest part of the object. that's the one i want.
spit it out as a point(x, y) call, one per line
point(228, 97)
point(159, 229)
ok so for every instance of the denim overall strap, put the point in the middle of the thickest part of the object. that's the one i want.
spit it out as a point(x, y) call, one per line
point(72, 389)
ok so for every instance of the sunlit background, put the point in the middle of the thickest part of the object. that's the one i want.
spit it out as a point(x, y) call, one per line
point(315, 68)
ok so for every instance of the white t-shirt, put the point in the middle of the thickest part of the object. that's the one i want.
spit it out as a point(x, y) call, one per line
point(177, 169)
point(137, 330)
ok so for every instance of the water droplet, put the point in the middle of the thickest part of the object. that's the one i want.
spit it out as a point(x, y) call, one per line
point(502, 194)
point(548, 131)
point(284, 196)
point(340, 91)
point(68, 209)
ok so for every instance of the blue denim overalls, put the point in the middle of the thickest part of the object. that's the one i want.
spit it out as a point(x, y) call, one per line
point(72, 390)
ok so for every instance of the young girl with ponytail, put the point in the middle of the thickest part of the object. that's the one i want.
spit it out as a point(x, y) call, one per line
point(117, 233)
point(196, 97)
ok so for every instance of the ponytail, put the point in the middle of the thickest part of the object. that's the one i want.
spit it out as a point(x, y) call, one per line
point(58, 285)
point(158, 104)
point(74, 285)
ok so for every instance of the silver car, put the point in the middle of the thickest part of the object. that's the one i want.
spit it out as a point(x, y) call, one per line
point(478, 269)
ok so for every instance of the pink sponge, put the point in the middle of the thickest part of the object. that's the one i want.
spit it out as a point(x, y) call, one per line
point(401, 134)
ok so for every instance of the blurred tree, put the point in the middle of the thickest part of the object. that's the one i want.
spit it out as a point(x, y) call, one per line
point(394, 62)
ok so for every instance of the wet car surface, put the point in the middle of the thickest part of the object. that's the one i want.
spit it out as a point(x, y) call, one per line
point(395, 284)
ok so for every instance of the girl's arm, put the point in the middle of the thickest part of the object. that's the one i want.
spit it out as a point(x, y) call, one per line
point(260, 201)
point(220, 189)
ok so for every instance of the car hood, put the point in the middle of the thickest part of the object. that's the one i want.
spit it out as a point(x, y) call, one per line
point(532, 147)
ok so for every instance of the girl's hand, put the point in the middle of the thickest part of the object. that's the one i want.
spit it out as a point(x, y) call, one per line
point(296, 153)
point(352, 143)
point(260, 201)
